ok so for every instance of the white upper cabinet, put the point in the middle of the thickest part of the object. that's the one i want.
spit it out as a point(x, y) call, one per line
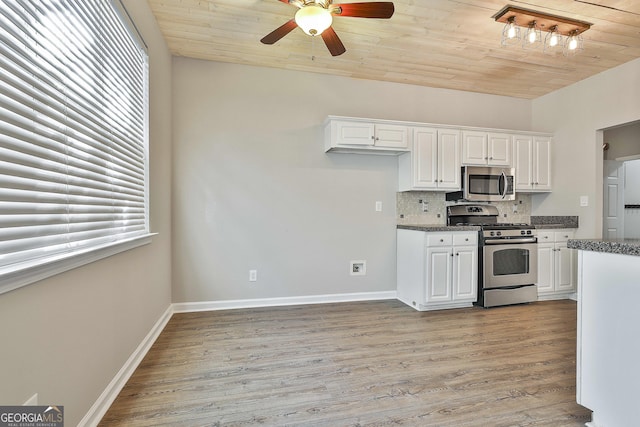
point(486, 148)
point(532, 162)
point(360, 136)
point(434, 161)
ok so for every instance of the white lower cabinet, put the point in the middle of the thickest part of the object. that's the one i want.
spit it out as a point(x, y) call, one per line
point(556, 265)
point(437, 270)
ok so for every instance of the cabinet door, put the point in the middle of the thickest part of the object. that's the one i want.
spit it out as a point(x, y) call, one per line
point(439, 262)
point(564, 278)
point(391, 136)
point(354, 133)
point(465, 273)
point(424, 158)
point(522, 159)
point(449, 175)
point(499, 149)
point(546, 274)
point(542, 164)
point(474, 148)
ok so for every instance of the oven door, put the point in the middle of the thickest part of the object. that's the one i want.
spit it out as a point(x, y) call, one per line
point(510, 264)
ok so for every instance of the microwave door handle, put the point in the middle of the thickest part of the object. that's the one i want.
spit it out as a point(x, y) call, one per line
point(503, 180)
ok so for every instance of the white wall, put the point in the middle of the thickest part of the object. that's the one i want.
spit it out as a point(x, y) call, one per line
point(66, 337)
point(575, 114)
point(255, 190)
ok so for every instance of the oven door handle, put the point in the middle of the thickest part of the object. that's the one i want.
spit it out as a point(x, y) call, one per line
point(510, 241)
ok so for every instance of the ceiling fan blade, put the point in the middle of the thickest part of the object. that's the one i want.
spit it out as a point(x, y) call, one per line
point(382, 10)
point(279, 32)
point(333, 42)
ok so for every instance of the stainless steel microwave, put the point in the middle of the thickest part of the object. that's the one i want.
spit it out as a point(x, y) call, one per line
point(486, 184)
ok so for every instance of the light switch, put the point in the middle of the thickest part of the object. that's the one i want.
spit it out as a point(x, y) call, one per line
point(378, 206)
point(584, 200)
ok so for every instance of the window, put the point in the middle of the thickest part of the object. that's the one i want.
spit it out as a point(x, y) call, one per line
point(73, 136)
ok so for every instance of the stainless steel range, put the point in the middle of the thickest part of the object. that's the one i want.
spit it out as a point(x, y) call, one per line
point(508, 256)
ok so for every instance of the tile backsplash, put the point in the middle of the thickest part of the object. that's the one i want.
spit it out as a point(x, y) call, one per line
point(409, 208)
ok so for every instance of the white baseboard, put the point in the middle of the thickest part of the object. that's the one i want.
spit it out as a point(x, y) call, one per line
point(186, 307)
point(100, 407)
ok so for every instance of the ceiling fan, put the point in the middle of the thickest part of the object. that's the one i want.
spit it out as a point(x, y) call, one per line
point(314, 17)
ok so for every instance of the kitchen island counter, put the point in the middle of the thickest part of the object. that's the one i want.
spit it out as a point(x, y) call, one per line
point(614, 246)
point(608, 341)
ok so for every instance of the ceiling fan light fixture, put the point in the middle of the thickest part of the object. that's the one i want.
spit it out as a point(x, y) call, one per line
point(313, 19)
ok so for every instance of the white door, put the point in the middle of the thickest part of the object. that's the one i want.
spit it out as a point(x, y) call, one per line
point(613, 203)
point(424, 157)
point(542, 164)
point(474, 148)
point(499, 149)
point(465, 268)
point(546, 259)
point(439, 267)
point(449, 175)
point(522, 160)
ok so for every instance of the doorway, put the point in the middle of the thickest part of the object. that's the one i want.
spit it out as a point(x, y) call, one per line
point(621, 182)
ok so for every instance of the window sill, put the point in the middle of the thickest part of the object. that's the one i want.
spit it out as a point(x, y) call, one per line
point(44, 268)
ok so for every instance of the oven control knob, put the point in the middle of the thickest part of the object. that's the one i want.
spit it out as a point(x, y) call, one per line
point(528, 231)
point(492, 233)
point(499, 233)
point(521, 231)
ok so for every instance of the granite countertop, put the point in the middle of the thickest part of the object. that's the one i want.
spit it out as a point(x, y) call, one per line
point(613, 246)
point(439, 227)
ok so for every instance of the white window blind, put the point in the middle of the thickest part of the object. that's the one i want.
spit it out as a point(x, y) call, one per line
point(73, 130)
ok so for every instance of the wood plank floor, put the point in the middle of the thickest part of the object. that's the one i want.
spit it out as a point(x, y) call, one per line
point(354, 364)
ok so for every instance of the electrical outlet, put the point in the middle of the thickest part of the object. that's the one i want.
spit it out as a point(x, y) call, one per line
point(253, 275)
point(358, 268)
point(425, 206)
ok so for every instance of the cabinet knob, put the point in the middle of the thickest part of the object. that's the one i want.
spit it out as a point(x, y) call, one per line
point(466, 240)
point(490, 158)
point(566, 237)
point(441, 240)
point(458, 254)
point(373, 137)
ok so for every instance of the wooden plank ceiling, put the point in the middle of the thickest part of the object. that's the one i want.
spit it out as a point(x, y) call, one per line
point(453, 44)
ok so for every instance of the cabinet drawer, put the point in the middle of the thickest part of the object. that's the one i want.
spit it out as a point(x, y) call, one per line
point(465, 239)
point(546, 236)
point(563, 236)
point(438, 239)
